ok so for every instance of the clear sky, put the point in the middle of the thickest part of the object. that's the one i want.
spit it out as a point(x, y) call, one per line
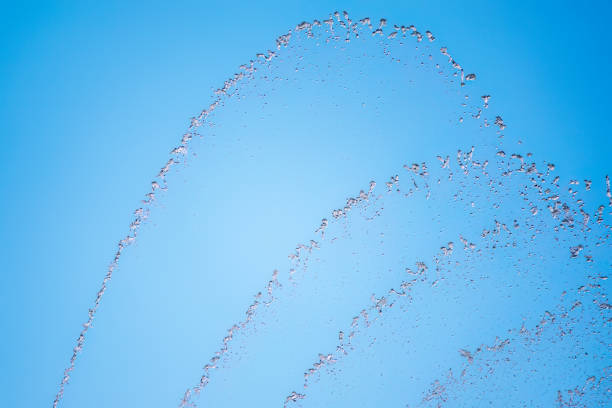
point(94, 95)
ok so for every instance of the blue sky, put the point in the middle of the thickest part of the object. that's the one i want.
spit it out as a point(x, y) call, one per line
point(94, 95)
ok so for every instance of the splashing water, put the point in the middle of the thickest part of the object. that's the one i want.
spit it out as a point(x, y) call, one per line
point(465, 263)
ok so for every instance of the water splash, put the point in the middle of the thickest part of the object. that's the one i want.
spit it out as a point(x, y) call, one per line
point(477, 186)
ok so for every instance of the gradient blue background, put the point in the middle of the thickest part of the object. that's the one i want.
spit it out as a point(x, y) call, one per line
point(93, 96)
